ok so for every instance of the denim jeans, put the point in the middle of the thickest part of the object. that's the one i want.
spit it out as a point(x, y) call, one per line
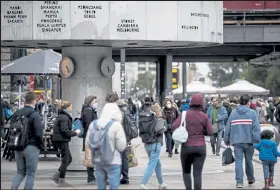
point(248, 151)
point(112, 173)
point(169, 142)
point(268, 169)
point(216, 141)
point(27, 161)
point(154, 164)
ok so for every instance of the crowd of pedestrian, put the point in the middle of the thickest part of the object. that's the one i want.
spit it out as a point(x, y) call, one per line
point(107, 138)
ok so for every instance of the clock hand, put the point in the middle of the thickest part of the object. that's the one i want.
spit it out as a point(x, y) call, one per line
point(109, 70)
point(67, 69)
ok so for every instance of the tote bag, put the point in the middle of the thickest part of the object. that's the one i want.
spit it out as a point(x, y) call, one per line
point(180, 135)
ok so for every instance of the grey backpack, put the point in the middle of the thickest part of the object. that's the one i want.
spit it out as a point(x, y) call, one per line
point(99, 142)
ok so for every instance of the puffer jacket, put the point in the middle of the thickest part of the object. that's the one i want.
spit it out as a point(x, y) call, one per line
point(268, 150)
point(62, 131)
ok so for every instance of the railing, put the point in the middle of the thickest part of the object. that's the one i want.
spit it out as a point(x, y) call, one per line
point(247, 22)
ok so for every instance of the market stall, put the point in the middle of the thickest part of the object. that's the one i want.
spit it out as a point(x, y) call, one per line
point(196, 86)
point(243, 86)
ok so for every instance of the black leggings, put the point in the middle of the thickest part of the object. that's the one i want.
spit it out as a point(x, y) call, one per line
point(193, 155)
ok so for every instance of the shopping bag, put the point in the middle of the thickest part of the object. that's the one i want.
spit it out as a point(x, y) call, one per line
point(180, 135)
point(131, 155)
point(227, 157)
point(78, 125)
point(87, 162)
point(215, 128)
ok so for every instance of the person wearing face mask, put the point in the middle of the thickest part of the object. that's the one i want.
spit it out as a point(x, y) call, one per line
point(171, 114)
point(89, 114)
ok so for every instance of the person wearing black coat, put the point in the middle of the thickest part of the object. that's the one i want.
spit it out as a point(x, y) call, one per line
point(62, 133)
point(89, 114)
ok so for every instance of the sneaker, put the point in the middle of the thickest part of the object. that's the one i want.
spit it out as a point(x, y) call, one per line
point(162, 186)
point(217, 154)
point(143, 186)
point(239, 185)
point(176, 151)
point(170, 155)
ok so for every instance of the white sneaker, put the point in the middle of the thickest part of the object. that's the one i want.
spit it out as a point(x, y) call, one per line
point(239, 185)
point(162, 186)
point(143, 186)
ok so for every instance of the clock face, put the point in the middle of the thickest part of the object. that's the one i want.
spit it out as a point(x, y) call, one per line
point(108, 67)
point(66, 67)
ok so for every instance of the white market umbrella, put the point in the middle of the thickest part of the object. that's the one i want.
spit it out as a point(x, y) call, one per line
point(243, 86)
point(197, 86)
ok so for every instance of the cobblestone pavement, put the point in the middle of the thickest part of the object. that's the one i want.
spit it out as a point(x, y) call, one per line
point(215, 176)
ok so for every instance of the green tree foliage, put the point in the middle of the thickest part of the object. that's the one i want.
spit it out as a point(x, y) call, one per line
point(145, 81)
point(265, 77)
point(226, 73)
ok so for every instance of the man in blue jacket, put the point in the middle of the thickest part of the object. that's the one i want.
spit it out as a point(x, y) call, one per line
point(217, 115)
point(242, 131)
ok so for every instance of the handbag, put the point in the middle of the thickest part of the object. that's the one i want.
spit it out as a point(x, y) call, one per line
point(131, 155)
point(180, 135)
point(215, 127)
point(87, 162)
point(227, 157)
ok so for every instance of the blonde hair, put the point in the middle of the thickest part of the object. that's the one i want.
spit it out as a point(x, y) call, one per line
point(63, 104)
point(157, 109)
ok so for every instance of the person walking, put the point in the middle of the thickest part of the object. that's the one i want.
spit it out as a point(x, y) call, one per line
point(193, 152)
point(242, 131)
point(261, 112)
point(114, 137)
point(171, 115)
point(277, 113)
point(89, 114)
point(270, 110)
point(62, 133)
point(217, 115)
point(153, 141)
point(268, 155)
point(27, 159)
point(128, 126)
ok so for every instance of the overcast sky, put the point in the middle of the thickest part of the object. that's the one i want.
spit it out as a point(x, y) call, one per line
point(203, 68)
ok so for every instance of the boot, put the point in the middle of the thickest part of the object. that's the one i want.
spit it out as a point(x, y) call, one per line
point(55, 177)
point(213, 151)
point(176, 151)
point(271, 184)
point(266, 182)
point(63, 183)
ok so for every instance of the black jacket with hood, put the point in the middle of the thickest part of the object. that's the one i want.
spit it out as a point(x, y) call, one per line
point(88, 115)
point(62, 131)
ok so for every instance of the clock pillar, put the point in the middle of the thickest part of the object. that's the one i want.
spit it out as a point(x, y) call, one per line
point(86, 80)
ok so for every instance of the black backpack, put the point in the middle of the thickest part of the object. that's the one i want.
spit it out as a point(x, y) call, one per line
point(18, 132)
point(147, 123)
point(130, 129)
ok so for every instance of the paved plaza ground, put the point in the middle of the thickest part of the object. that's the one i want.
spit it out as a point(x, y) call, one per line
point(215, 176)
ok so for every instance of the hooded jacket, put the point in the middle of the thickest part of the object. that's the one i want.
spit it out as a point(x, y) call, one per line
point(198, 124)
point(268, 150)
point(116, 133)
point(242, 127)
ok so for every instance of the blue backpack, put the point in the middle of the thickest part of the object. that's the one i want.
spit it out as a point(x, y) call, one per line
point(78, 124)
point(8, 113)
point(99, 142)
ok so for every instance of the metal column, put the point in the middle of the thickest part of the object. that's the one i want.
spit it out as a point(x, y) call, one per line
point(122, 70)
point(168, 74)
point(184, 78)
